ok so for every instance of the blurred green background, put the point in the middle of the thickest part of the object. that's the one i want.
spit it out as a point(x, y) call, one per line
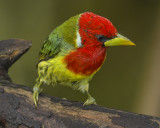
point(130, 77)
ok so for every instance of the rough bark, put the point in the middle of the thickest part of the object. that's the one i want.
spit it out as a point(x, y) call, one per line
point(18, 111)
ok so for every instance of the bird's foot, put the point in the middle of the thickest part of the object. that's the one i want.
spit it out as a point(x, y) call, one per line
point(36, 91)
point(90, 101)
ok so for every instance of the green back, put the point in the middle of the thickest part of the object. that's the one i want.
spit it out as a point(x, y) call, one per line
point(61, 39)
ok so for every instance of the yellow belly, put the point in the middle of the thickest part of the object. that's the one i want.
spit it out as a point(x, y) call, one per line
point(55, 71)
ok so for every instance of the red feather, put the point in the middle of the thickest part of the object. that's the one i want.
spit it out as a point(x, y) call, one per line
point(89, 58)
point(91, 24)
point(85, 60)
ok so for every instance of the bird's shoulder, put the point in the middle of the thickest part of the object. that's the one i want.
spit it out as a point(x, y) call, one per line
point(54, 45)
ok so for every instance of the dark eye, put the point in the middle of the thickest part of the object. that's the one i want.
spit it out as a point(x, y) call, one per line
point(102, 38)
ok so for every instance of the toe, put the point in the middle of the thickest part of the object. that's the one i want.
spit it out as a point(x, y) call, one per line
point(90, 101)
point(35, 98)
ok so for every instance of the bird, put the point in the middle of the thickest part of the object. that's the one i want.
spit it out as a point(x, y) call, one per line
point(75, 51)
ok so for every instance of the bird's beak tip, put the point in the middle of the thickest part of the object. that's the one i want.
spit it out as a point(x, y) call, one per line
point(119, 40)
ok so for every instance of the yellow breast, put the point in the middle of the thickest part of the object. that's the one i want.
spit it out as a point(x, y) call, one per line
point(55, 71)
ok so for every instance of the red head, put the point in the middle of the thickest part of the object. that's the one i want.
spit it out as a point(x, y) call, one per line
point(96, 33)
point(95, 29)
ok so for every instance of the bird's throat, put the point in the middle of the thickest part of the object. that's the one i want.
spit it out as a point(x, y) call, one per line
point(85, 60)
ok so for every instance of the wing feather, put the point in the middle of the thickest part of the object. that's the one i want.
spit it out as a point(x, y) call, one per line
point(50, 48)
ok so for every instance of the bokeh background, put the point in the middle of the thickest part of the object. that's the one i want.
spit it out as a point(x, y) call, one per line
point(130, 77)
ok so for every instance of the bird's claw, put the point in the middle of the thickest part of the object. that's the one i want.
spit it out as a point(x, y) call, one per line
point(36, 91)
point(90, 101)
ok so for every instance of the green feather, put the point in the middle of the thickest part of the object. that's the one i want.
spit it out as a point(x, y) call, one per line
point(61, 39)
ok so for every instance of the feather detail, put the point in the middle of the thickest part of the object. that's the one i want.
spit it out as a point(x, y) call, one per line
point(86, 60)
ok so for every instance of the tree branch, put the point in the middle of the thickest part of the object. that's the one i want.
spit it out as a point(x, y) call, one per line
point(17, 109)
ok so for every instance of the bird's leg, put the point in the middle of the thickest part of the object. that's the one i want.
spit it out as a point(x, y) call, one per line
point(90, 100)
point(42, 70)
point(84, 87)
point(36, 90)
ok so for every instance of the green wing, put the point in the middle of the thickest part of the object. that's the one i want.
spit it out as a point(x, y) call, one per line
point(63, 38)
point(50, 48)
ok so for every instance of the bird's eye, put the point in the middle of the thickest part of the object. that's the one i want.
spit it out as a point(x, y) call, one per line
point(102, 38)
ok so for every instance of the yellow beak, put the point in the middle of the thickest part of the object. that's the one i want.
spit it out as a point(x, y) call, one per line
point(119, 40)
